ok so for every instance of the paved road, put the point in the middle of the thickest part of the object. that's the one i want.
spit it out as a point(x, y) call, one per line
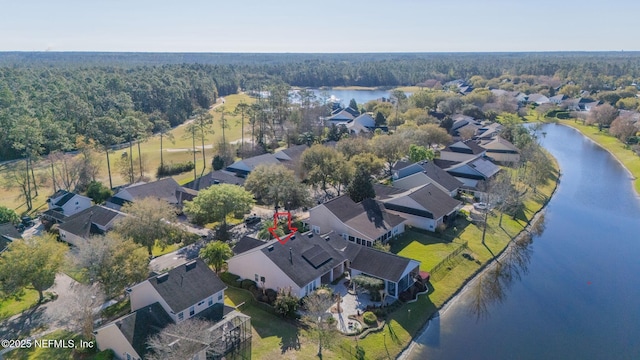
point(47, 317)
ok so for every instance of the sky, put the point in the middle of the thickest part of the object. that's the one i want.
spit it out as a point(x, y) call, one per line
point(332, 26)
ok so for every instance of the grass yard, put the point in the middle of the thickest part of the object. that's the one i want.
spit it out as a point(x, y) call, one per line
point(13, 306)
point(158, 250)
point(272, 336)
point(619, 150)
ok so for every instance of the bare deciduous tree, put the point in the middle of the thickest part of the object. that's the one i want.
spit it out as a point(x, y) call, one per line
point(180, 341)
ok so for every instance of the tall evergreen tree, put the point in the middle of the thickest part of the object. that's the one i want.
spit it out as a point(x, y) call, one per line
point(361, 186)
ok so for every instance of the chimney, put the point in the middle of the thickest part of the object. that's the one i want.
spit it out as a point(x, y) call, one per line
point(291, 256)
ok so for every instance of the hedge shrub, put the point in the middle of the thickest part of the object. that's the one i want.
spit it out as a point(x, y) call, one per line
point(173, 169)
point(370, 318)
point(230, 279)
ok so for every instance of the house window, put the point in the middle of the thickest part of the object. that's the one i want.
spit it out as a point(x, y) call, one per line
point(369, 244)
point(351, 238)
point(211, 300)
point(358, 241)
point(262, 279)
point(192, 311)
point(391, 288)
point(220, 297)
point(200, 303)
point(128, 356)
point(256, 277)
point(181, 316)
point(316, 229)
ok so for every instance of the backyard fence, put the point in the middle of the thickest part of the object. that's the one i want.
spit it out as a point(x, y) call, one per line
point(437, 272)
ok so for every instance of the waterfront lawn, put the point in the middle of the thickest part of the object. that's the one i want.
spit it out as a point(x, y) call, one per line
point(13, 306)
point(621, 152)
point(429, 249)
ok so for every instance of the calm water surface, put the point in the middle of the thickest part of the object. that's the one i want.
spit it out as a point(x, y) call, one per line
point(580, 298)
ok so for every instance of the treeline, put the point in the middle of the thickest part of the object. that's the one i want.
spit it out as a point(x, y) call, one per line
point(62, 102)
point(63, 95)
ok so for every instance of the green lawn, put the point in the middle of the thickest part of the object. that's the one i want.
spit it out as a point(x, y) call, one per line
point(158, 250)
point(272, 336)
point(621, 152)
point(13, 306)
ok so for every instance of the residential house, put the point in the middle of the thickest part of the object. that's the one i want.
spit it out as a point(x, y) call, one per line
point(538, 99)
point(290, 157)
point(472, 173)
point(95, 220)
point(182, 292)
point(243, 167)
point(68, 203)
point(462, 151)
point(341, 116)
point(364, 123)
point(558, 99)
point(188, 291)
point(163, 189)
point(214, 178)
point(309, 260)
point(8, 233)
point(365, 222)
point(488, 131)
point(408, 176)
point(501, 151)
point(425, 207)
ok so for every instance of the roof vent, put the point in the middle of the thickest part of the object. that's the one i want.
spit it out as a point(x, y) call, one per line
point(292, 238)
point(270, 247)
point(162, 278)
point(310, 234)
point(190, 265)
point(327, 238)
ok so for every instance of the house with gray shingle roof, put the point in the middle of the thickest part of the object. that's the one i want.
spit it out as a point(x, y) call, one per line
point(422, 173)
point(95, 220)
point(462, 151)
point(8, 233)
point(189, 291)
point(163, 189)
point(366, 222)
point(309, 260)
point(425, 207)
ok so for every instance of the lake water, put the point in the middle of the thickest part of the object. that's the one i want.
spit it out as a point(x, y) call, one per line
point(344, 96)
point(580, 298)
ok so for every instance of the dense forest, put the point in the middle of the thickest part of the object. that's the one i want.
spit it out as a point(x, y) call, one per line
point(48, 99)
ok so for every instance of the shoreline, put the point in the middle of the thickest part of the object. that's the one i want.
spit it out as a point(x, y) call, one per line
point(633, 177)
point(466, 285)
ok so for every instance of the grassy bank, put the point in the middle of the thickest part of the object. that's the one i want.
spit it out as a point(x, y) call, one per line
point(620, 151)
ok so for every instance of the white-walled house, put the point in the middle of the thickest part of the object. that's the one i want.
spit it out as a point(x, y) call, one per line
point(363, 223)
point(68, 203)
point(182, 292)
point(188, 291)
point(408, 176)
point(309, 260)
point(425, 207)
point(302, 264)
point(95, 220)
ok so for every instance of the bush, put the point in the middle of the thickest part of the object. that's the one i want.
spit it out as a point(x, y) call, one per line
point(286, 304)
point(98, 192)
point(230, 279)
point(563, 115)
point(248, 284)
point(105, 355)
point(271, 295)
point(218, 162)
point(173, 169)
point(370, 318)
